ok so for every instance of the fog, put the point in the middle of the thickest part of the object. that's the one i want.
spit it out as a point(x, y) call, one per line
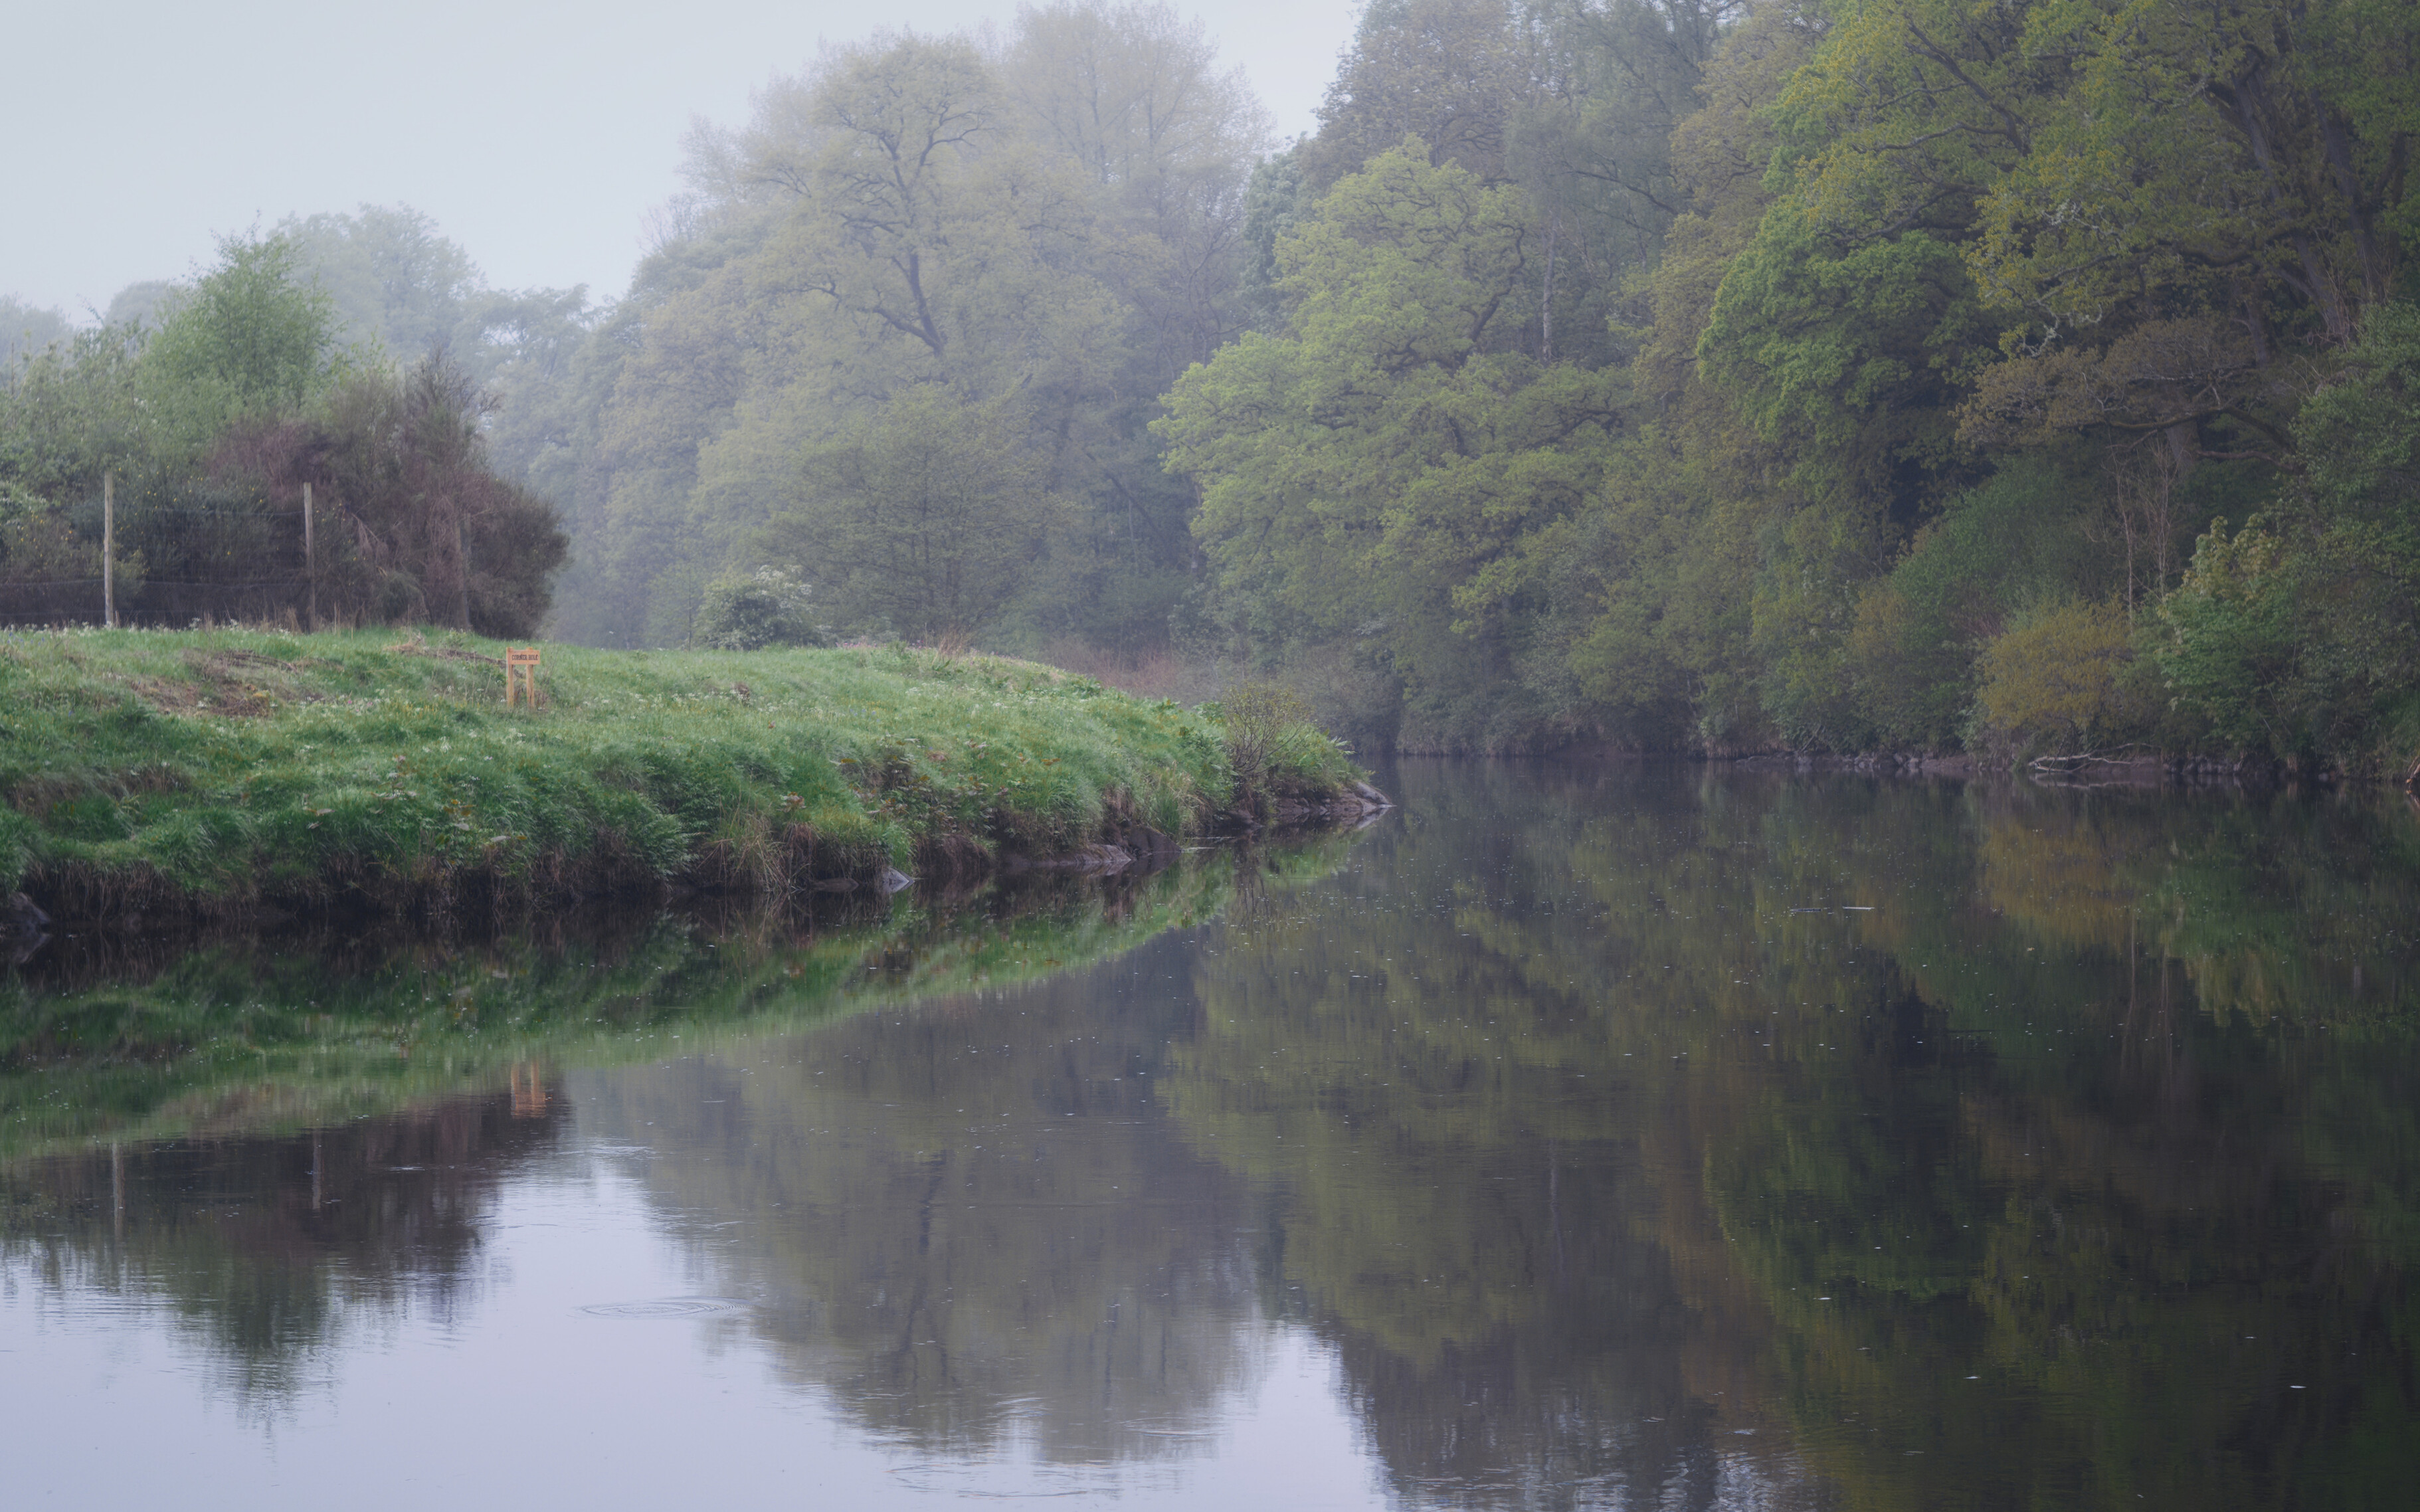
point(535, 136)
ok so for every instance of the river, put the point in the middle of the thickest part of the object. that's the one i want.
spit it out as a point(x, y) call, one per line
point(1577, 1135)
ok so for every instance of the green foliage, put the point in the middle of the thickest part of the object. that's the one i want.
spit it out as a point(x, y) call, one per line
point(2057, 678)
point(1276, 204)
point(1387, 458)
point(1671, 373)
point(751, 611)
point(74, 411)
point(1274, 746)
point(2360, 432)
point(249, 338)
point(210, 769)
point(924, 519)
point(2001, 547)
point(1847, 355)
point(2230, 650)
point(209, 428)
point(2295, 635)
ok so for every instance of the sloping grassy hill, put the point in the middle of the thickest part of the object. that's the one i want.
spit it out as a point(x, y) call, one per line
point(219, 768)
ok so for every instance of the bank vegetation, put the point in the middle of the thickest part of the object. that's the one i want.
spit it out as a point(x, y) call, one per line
point(159, 771)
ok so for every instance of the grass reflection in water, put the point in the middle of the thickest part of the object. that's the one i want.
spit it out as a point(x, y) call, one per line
point(1672, 1137)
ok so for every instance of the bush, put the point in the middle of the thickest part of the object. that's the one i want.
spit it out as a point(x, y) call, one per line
point(750, 611)
point(2059, 679)
point(2231, 652)
point(1274, 744)
point(1912, 649)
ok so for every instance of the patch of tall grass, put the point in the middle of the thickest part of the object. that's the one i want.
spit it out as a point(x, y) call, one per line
point(1276, 750)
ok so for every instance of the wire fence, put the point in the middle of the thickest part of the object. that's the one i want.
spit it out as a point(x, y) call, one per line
point(176, 561)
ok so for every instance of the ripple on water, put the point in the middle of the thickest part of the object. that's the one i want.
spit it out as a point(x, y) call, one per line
point(668, 1307)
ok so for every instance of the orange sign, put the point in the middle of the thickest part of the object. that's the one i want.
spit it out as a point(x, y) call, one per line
point(520, 670)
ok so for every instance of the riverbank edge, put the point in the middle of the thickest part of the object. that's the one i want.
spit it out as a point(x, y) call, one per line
point(2150, 769)
point(223, 774)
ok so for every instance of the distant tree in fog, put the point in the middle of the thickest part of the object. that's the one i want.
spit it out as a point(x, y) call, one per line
point(392, 275)
point(142, 303)
point(26, 329)
point(1044, 228)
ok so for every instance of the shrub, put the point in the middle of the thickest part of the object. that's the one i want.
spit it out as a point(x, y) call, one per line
point(1912, 649)
point(750, 611)
point(2231, 652)
point(1274, 742)
point(2058, 678)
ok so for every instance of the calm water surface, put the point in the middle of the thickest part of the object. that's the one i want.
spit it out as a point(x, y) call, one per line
point(1576, 1137)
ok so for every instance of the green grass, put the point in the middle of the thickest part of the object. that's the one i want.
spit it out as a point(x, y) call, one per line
point(148, 769)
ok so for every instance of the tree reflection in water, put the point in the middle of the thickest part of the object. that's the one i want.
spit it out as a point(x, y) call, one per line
point(264, 1250)
point(1671, 1138)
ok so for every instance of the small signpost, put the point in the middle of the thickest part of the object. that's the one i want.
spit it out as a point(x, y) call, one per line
point(520, 670)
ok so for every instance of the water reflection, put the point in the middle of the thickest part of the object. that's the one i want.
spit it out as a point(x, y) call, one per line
point(968, 1221)
point(1616, 1137)
point(107, 1039)
point(267, 1254)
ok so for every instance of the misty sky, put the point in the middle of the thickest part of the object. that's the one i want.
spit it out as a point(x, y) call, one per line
point(537, 137)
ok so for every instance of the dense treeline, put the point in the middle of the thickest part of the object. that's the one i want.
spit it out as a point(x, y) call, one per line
point(1677, 374)
point(2031, 377)
point(1685, 374)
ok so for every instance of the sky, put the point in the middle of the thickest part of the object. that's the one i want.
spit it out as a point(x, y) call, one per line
point(536, 136)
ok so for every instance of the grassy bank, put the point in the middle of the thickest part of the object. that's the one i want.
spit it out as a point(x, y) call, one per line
point(229, 768)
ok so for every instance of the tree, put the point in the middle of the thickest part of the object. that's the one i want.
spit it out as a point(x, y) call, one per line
point(922, 520)
point(1130, 94)
point(750, 611)
point(26, 329)
point(1386, 459)
point(2296, 635)
point(74, 411)
point(418, 529)
point(1659, 588)
point(248, 337)
point(2235, 155)
point(2057, 676)
point(142, 304)
point(1054, 219)
point(393, 278)
point(1450, 73)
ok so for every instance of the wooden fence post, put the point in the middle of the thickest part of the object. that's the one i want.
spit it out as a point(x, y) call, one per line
point(109, 549)
point(310, 560)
